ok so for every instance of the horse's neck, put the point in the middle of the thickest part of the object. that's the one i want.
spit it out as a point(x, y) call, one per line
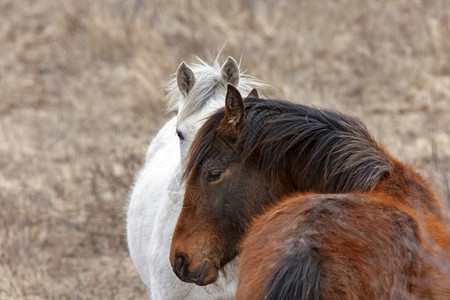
point(281, 186)
point(406, 187)
point(401, 184)
point(288, 180)
point(165, 140)
point(176, 186)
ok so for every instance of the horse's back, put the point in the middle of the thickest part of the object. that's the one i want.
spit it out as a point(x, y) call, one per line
point(357, 247)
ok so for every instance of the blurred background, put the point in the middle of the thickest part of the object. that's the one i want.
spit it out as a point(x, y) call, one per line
point(81, 97)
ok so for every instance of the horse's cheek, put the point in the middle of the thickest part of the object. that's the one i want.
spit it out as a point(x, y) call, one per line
point(216, 200)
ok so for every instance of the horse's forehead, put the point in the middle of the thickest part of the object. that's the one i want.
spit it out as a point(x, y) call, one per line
point(207, 89)
point(219, 154)
point(195, 120)
point(214, 161)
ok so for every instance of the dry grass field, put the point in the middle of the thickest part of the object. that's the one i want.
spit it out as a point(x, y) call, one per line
point(81, 97)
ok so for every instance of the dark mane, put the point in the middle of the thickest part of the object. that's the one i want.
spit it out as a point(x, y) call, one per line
point(320, 150)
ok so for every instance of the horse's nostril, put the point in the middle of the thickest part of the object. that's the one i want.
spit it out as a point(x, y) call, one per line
point(181, 263)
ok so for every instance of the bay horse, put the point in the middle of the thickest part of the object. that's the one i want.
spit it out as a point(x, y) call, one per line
point(155, 200)
point(249, 162)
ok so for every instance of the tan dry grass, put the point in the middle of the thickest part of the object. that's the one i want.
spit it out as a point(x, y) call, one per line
point(80, 98)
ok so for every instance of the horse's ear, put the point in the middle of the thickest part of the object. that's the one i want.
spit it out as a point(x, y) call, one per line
point(234, 108)
point(185, 78)
point(253, 94)
point(229, 72)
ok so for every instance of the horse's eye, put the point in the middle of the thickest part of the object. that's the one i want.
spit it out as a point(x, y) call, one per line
point(180, 135)
point(213, 175)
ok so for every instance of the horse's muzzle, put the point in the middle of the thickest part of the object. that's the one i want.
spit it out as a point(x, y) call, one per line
point(201, 274)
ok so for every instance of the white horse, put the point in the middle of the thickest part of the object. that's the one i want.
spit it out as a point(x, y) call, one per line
point(157, 195)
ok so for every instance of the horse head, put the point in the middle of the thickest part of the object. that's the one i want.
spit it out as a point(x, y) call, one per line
point(208, 231)
point(200, 92)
